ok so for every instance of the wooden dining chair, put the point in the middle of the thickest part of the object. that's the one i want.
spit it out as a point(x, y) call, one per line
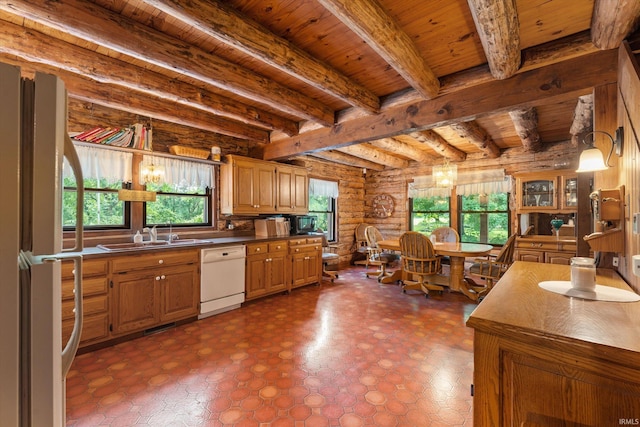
point(492, 267)
point(330, 258)
point(361, 255)
point(446, 234)
point(420, 261)
point(376, 255)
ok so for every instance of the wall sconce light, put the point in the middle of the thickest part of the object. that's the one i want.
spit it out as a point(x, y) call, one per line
point(444, 176)
point(150, 173)
point(591, 159)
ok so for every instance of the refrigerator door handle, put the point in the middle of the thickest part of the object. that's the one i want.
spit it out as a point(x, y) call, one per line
point(70, 349)
point(74, 162)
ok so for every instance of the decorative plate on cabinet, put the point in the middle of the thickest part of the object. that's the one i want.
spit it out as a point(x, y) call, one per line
point(382, 206)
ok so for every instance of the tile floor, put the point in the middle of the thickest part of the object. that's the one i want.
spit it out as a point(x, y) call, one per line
point(349, 353)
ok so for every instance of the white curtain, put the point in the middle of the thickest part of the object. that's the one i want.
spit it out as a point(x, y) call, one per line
point(487, 181)
point(320, 187)
point(102, 164)
point(182, 174)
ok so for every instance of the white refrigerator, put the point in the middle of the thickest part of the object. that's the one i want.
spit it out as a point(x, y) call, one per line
point(33, 142)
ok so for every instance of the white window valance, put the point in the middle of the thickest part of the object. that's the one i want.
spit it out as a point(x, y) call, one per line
point(320, 187)
point(102, 164)
point(182, 174)
point(487, 181)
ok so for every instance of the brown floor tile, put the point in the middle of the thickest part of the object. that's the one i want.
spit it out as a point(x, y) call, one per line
point(350, 353)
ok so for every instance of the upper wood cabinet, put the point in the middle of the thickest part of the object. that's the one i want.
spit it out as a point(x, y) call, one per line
point(251, 187)
point(547, 191)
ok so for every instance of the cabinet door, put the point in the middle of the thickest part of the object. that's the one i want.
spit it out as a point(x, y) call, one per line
point(265, 188)
point(562, 258)
point(298, 269)
point(276, 271)
point(244, 198)
point(537, 194)
point(569, 192)
point(180, 293)
point(300, 187)
point(135, 301)
point(255, 280)
point(531, 256)
point(286, 190)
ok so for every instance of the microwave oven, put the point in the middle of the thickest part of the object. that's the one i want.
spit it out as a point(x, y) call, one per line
point(302, 224)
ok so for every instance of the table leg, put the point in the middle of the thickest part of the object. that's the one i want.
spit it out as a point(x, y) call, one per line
point(457, 281)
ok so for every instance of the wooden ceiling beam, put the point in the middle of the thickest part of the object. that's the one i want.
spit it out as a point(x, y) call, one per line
point(367, 152)
point(347, 159)
point(36, 48)
point(582, 118)
point(439, 144)
point(403, 149)
point(384, 35)
point(224, 23)
point(478, 136)
point(113, 31)
point(499, 31)
point(559, 81)
point(525, 120)
point(121, 99)
point(612, 21)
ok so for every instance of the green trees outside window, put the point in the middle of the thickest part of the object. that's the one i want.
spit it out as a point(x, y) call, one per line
point(189, 206)
point(429, 213)
point(102, 209)
point(323, 207)
point(484, 218)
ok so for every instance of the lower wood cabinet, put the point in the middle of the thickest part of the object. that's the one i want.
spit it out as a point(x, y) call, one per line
point(266, 271)
point(547, 249)
point(153, 289)
point(306, 261)
point(95, 301)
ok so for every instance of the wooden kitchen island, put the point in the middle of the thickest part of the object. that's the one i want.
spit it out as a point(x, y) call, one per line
point(545, 359)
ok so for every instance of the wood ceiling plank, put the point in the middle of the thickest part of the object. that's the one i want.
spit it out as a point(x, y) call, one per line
point(438, 144)
point(347, 159)
point(403, 149)
point(372, 154)
point(128, 37)
point(369, 21)
point(554, 83)
point(227, 25)
point(478, 136)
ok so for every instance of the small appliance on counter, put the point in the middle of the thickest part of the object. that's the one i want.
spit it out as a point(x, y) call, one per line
point(302, 224)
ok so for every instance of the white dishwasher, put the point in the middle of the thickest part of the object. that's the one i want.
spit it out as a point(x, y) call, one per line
point(221, 279)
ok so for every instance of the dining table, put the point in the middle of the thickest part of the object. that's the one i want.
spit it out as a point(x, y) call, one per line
point(456, 251)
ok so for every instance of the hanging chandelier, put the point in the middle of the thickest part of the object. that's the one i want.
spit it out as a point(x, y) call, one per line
point(444, 176)
point(151, 173)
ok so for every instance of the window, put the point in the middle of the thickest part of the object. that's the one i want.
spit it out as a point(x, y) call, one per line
point(104, 172)
point(184, 193)
point(484, 218)
point(429, 213)
point(323, 197)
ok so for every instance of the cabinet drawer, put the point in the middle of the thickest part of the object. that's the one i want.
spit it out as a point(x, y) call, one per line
point(279, 246)
point(562, 258)
point(90, 267)
point(90, 286)
point(297, 242)
point(314, 240)
point(93, 328)
point(257, 248)
point(159, 258)
point(90, 306)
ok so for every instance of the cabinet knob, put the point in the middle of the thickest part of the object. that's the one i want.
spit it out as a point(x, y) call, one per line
point(268, 260)
point(163, 277)
point(157, 277)
point(160, 261)
point(306, 257)
point(297, 250)
point(257, 249)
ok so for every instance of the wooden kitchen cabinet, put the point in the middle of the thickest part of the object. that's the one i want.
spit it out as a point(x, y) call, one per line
point(252, 187)
point(306, 261)
point(266, 271)
point(544, 359)
point(293, 190)
point(153, 289)
point(554, 191)
point(546, 249)
point(248, 186)
point(95, 301)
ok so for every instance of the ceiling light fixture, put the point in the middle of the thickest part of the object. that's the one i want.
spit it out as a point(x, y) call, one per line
point(444, 176)
point(592, 160)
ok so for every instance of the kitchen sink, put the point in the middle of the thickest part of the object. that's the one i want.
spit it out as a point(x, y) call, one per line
point(130, 246)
